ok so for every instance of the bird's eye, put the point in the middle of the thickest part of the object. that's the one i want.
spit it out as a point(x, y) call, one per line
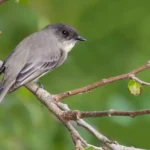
point(64, 32)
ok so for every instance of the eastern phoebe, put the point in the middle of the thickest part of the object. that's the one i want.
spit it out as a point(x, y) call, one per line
point(36, 55)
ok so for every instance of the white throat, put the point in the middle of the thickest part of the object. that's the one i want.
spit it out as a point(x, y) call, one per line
point(67, 45)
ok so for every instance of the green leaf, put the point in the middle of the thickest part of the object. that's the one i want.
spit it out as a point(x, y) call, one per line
point(24, 2)
point(88, 148)
point(134, 87)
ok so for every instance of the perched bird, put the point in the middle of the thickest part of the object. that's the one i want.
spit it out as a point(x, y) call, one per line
point(36, 55)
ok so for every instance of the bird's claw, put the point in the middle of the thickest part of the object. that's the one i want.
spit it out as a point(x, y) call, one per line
point(39, 86)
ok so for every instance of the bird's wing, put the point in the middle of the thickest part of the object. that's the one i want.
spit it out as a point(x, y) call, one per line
point(36, 69)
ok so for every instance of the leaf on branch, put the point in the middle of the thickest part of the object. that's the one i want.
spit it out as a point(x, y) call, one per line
point(134, 87)
point(23, 2)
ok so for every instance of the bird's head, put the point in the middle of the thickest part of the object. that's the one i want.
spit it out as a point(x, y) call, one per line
point(66, 36)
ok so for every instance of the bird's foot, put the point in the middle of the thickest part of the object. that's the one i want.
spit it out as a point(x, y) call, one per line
point(39, 86)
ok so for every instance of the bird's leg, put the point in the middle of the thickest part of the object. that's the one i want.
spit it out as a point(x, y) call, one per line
point(40, 85)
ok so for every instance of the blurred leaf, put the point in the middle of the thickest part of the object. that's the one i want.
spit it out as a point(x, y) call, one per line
point(88, 148)
point(134, 87)
point(24, 2)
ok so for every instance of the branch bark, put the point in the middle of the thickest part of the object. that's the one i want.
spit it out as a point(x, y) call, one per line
point(76, 114)
point(2, 1)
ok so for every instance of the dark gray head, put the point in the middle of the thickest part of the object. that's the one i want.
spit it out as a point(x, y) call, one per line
point(66, 35)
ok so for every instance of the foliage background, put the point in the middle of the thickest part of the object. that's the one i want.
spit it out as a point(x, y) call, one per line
point(118, 33)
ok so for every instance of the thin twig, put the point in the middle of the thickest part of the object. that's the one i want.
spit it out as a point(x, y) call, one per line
point(85, 89)
point(76, 114)
point(140, 81)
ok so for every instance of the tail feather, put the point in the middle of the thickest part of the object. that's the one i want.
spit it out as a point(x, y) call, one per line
point(4, 88)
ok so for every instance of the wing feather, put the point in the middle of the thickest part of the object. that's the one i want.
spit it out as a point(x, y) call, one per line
point(33, 70)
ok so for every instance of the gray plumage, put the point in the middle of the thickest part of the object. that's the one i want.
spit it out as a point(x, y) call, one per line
point(36, 55)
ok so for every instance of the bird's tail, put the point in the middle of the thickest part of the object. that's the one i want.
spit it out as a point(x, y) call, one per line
point(4, 88)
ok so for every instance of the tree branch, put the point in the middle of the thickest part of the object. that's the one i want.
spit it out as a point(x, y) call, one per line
point(60, 112)
point(76, 114)
point(85, 89)
point(45, 98)
point(97, 134)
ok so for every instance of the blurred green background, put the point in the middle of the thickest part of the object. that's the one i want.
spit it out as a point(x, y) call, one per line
point(118, 33)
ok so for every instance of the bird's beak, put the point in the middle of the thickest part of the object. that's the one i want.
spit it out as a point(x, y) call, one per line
point(80, 38)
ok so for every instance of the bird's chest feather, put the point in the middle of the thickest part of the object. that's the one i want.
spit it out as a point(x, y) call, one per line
point(63, 57)
point(68, 47)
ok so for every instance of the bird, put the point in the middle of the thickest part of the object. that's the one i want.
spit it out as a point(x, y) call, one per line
point(36, 55)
